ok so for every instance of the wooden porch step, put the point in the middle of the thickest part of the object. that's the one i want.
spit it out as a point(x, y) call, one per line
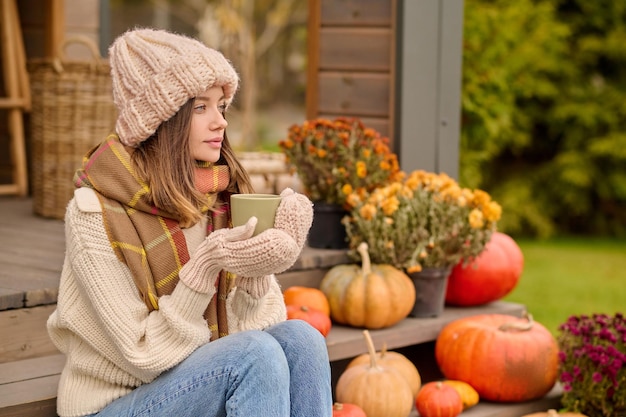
point(29, 387)
point(347, 342)
point(28, 333)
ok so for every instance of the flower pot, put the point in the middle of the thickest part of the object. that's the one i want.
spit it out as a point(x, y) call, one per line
point(327, 231)
point(430, 291)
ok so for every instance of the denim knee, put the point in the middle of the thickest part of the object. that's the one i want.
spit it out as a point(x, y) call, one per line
point(260, 347)
point(300, 335)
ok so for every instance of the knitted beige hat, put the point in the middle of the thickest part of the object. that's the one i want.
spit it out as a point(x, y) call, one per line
point(155, 72)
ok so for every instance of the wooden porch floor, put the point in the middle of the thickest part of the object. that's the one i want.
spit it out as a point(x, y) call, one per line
point(31, 255)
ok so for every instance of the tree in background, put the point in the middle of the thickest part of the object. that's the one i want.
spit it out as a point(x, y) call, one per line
point(265, 39)
point(246, 30)
point(544, 113)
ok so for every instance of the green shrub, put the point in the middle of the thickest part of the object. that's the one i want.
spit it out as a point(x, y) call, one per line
point(544, 113)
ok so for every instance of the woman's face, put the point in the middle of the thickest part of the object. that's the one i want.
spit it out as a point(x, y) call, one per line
point(207, 125)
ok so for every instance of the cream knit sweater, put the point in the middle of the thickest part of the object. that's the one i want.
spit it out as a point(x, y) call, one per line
point(111, 341)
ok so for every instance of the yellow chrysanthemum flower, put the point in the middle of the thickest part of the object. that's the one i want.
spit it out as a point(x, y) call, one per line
point(492, 211)
point(353, 200)
point(476, 220)
point(390, 205)
point(361, 169)
point(368, 211)
point(481, 198)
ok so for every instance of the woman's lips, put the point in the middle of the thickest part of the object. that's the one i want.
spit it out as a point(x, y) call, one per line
point(215, 143)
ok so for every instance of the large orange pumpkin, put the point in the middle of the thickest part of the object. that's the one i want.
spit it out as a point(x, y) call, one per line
point(373, 296)
point(490, 276)
point(505, 358)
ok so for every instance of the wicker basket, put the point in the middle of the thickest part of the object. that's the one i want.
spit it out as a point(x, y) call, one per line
point(72, 111)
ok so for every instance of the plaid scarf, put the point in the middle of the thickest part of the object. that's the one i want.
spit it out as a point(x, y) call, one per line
point(147, 239)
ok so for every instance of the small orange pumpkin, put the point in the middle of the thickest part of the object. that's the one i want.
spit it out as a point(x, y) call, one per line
point(314, 317)
point(347, 410)
point(468, 394)
point(437, 399)
point(307, 296)
point(371, 296)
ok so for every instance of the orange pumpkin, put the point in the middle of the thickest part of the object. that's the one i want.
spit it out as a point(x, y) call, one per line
point(314, 317)
point(437, 399)
point(490, 276)
point(347, 410)
point(505, 358)
point(307, 296)
point(468, 394)
point(380, 391)
point(395, 360)
point(373, 296)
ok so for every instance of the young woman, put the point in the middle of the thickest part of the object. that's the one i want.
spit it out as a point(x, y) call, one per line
point(163, 308)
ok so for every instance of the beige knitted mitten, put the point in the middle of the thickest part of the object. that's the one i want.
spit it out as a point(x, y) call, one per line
point(200, 272)
point(294, 215)
point(271, 252)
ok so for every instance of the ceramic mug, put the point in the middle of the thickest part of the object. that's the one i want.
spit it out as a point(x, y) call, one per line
point(262, 206)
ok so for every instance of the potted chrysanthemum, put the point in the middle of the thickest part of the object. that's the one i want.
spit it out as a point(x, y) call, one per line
point(423, 224)
point(334, 158)
point(592, 367)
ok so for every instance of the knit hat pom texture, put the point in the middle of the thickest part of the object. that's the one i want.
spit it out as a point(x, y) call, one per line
point(155, 72)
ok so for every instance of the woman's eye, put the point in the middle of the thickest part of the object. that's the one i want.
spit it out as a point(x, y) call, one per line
point(200, 107)
point(222, 108)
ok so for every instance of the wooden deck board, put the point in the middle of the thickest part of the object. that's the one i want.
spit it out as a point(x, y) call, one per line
point(346, 342)
point(31, 368)
point(29, 385)
point(31, 257)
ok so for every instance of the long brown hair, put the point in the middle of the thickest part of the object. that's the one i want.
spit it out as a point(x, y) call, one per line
point(164, 161)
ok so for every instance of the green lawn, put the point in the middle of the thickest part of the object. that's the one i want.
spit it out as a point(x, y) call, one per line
point(563, 277)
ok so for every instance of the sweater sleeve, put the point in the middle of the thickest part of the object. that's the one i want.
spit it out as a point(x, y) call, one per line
point(247, 312)
point(100, 304)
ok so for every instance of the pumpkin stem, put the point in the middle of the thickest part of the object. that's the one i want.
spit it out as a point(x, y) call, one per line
point(383, 351)
point(370, 348)
point(519, 326)
point(366, 265)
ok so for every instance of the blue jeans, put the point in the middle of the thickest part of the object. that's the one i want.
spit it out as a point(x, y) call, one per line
point(279, 372)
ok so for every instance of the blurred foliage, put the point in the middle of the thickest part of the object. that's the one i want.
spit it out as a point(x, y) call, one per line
point(543, 113)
